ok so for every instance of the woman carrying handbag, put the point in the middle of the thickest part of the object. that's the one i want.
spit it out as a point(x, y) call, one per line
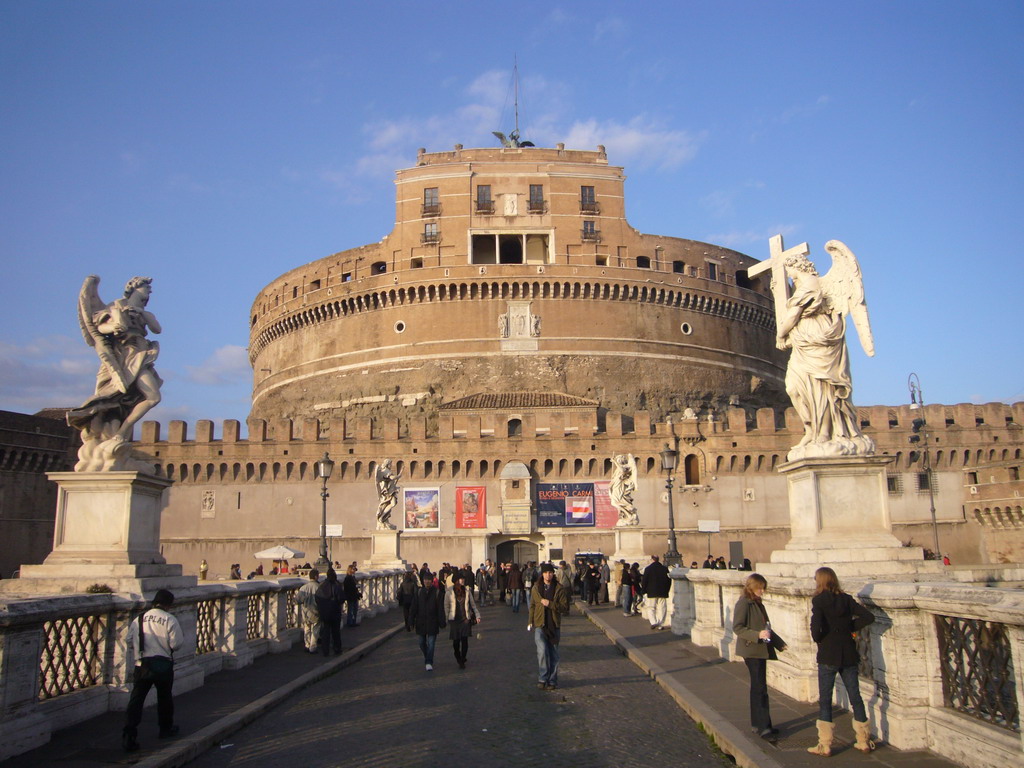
point(756, 644)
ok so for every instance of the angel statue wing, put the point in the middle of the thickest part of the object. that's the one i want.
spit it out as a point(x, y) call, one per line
point(844, 287)
point(89, 306)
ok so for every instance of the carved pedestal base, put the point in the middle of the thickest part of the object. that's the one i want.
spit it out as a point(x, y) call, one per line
point(629, 546)
point(839, 516)
point(385, 551)
point(107, 531)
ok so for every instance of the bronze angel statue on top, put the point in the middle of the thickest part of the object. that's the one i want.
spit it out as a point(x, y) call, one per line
point(811, 321)
point(127, 384)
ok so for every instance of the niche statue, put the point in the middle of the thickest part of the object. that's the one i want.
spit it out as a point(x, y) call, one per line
point(127, 384)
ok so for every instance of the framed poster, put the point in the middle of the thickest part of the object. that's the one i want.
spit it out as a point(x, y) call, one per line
point(422, 509)
point(470, 507)
point(565, 505)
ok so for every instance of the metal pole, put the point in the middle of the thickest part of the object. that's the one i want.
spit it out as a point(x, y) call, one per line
point(323, 562)
point(931, 498)
point(672, 557)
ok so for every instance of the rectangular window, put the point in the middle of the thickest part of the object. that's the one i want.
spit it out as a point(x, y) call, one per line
point(1015, 473)
point(430, 233)
point(712, 270)
point(894, 484)
point(588, 201)
point(484, 203)
point(536, 202)
point(922, 481)
point(431, 202)
point(346, 277)
point(314, 285)
point(972, 478)
point(590, 232)
point(679, 267)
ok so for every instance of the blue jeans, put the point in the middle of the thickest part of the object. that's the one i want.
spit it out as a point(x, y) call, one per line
point(826, 684)
point(627, 600)
point(353, 612)
point(517, 596)
point(427, 643)
point(547, 657)
point(526, 597)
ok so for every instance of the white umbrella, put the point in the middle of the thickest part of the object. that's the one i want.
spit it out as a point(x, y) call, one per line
point(280, 552)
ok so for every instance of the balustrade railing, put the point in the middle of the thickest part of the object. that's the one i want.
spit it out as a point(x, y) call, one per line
point(977, 670)
point(55, 650)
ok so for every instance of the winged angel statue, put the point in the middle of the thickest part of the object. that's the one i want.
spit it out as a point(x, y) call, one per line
point(127, 384)
point(387, 493)
point(812, 323)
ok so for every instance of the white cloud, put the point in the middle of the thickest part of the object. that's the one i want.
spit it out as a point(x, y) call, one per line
point(643, 142)
point(52, 371)
point(227, 365)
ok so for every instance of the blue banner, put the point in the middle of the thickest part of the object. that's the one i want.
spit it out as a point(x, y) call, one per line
point(565, 505)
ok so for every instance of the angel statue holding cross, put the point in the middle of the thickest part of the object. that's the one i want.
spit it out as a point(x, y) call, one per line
point(127, 384)
point(811, 321)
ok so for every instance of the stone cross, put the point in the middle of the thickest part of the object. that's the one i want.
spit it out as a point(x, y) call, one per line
point(776, 262)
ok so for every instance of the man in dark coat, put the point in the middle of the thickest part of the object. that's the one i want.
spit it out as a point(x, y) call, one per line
point(329, 597)
point(550, 601)
point(656, 586)
point(428, 616)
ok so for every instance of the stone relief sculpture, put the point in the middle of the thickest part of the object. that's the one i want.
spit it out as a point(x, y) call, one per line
point(812, 323)
point(387, 494)
point(622, 489)
point(127, 384)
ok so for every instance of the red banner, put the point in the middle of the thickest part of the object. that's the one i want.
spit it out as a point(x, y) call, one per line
point(607, 516)
point(470, 507)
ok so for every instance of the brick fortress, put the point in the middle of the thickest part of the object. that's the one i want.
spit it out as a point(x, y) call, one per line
point(510, 335)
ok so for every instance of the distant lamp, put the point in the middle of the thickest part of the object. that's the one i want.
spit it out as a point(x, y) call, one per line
point(669, 458)
point(324, 467)
point(919, 437)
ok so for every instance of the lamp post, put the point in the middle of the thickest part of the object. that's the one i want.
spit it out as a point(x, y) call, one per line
point(324, 467)
point(919, 429)
point(669, 457)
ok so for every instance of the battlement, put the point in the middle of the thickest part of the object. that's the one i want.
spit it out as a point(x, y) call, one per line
point(965, 422)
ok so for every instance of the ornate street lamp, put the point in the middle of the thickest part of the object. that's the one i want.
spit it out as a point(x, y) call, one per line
point(669, 457)
point(324, 467)
point(919, 430)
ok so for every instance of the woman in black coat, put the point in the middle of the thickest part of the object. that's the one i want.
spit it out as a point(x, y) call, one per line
point(835, 619)
point(427, 615)
point(407, 595)
point(329, 597)
point(756, 643)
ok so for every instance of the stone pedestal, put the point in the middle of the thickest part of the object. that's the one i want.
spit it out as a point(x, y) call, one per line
point(839, 516)
point(629, 545)
point(385, 551)
point(107, 531)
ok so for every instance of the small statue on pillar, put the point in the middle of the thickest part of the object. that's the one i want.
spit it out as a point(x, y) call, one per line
point(623, 488)
point(387, 494)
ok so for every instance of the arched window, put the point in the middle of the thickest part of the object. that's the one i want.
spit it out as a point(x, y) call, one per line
point(515, 427)
point(691, 466)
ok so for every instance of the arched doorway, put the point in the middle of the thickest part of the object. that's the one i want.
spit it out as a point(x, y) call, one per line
point(516, 551)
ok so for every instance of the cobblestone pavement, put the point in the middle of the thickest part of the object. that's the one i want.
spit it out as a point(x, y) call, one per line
point(387, 710)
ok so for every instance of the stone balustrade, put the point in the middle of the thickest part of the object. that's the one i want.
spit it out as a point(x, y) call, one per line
point(64, 659)
point(942, 665)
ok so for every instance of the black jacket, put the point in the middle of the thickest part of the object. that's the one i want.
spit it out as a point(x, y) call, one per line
point(351, 588)
point(834, 619)
point(657, 582)
point(329, 597)
point(427, 612)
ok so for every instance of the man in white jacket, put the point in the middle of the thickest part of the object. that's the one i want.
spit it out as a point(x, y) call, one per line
point(153, 638)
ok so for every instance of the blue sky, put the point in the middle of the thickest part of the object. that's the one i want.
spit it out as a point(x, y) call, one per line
point(215, 145)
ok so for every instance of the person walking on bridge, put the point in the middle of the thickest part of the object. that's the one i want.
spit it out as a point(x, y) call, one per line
point(153, 639)
point(462, 615)
point(656, 586)
point(549, 602)
point(428, 616)
point(310, 613)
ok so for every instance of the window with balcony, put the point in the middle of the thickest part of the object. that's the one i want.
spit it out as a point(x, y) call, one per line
point(536, 201)
point(590, 233)
point(431, 202)
point(588, 201)
point(484, 203)
point(431, 233)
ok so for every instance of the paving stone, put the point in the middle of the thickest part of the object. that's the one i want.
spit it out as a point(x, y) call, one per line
point(388, 711)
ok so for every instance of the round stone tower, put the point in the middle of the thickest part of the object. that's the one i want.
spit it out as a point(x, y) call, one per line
point(514, 270)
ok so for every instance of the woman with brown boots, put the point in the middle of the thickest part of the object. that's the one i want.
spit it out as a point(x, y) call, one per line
point(835, 619)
